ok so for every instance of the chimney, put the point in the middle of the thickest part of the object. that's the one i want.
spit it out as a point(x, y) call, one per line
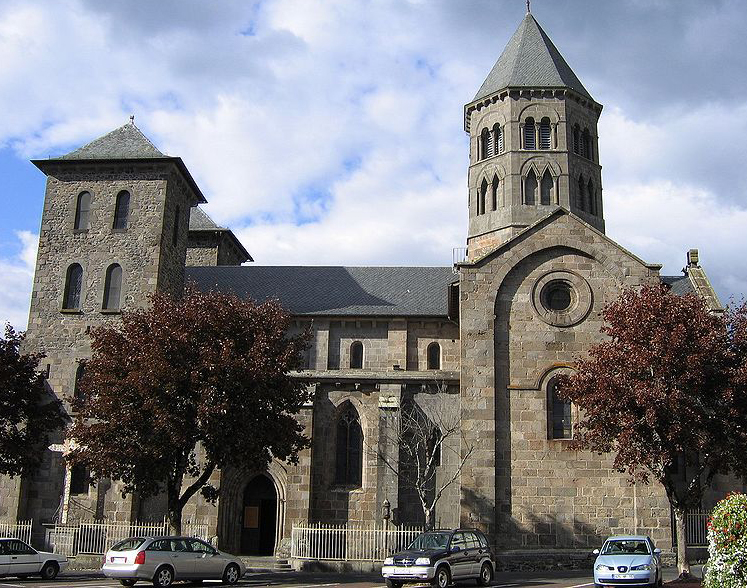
point(692, 258)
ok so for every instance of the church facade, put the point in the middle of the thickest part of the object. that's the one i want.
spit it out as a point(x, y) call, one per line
point(479, 343)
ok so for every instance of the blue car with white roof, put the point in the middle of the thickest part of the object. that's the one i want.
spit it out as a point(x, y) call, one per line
point(628, 561)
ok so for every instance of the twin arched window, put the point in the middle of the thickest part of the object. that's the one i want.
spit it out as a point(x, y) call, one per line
point(583, 144)
point(356, 355)
point(491, 142)
point(532, 129)
point(559, 413)
point(349, 449)
point(434, 356)
point(487, 195)
point(74, 287)
point(83, 211)
point(545, 187)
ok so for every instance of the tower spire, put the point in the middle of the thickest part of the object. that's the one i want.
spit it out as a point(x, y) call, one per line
point(529, 8)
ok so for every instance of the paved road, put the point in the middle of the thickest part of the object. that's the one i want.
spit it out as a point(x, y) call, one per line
point(560, 579)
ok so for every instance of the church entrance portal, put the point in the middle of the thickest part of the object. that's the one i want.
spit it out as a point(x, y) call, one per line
point(258, 517)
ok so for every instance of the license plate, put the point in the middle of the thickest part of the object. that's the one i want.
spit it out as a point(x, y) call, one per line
point(401, 570)
point(118, 559)
point(623, 576)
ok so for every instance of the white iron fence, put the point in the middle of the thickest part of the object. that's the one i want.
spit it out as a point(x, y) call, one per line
point(18, 530)
point(349, 542)
point(696, 527)
point(96, 537)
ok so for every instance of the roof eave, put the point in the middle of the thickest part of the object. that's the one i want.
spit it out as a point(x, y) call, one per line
point(45, 164)
point(503, 92)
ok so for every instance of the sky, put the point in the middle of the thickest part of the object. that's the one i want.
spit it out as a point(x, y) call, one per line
point(330, 132)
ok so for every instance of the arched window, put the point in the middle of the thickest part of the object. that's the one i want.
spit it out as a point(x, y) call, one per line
point(434, 356)
point(122, 210)
point(82, 211)
point(349, 450)
point(546, 188)
point(73, 287)
point(577, 140)
point(530, 188)
point(113, 287)
point(79, 373)
point(581, 196)
point(494, 192)
point(530, 135)
point(356, 355)
point(559, 413)
point(483, 197)
point(177, 219)
point(591, 196)
point(586, 145)
point(484, 144)
point(545, 133)
point(498, 134)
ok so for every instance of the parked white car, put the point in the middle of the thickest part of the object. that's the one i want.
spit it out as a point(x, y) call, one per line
point(628, 561)
point(19, 559)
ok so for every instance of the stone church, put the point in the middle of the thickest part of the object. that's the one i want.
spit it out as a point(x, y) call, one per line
point(481, 340)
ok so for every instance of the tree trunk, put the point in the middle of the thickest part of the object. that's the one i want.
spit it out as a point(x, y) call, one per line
point(174, 509)
point(428, 512)
point(683, 566)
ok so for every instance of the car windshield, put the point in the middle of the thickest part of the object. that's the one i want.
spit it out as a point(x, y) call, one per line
point(430, 541)
point(626, 547)
point(128, 544)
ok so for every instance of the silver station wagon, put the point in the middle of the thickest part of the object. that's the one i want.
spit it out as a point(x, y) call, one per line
point(163, 560)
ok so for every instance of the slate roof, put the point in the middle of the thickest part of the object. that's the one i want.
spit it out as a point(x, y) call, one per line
point(126, 142)
point(344, 291)
point(530, 60)
point(200, 221)
point(680, 285)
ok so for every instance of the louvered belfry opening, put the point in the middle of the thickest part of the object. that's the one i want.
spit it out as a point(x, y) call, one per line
point(545, 134)
point(529, 134)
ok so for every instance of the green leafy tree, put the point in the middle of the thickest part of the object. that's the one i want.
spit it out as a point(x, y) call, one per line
point(28, 413)
point(661, 394)
point(185, 387)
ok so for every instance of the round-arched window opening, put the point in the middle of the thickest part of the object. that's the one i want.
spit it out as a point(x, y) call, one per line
point(557, 296)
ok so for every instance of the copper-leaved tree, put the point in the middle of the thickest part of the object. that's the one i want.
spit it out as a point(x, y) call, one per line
point(660, 394)
point(185, 387)
point(28, 413)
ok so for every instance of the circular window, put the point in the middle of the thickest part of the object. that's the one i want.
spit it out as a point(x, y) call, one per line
point(562, 298)
point(556, 296)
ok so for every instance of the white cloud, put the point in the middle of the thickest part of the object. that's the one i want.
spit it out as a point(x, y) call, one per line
point(18, 273)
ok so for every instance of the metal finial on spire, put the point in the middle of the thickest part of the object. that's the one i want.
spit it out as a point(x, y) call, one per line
point(529, 9)
point(132, 119)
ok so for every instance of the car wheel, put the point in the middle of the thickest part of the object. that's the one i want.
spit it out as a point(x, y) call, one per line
point(164, 577)
point(50, 570)
point(393, 584)
point(232, 574)
point(442, 578)
point(486, 574)
point(127, 582)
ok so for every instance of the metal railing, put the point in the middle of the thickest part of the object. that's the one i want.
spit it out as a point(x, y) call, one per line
point(18, 530)
point(96, 537)
point(349, 542)
point(696, 528)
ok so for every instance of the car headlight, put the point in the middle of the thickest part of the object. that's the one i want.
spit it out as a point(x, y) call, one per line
point(423, 561)
point(643, 567)
point(389, 561)
point(602, 567)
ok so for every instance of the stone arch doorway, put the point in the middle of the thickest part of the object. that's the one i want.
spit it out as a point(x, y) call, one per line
point(259, 517)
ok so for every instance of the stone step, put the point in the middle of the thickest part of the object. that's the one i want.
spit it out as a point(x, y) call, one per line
point(266, 564)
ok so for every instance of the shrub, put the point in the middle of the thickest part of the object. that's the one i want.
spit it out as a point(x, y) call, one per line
point(727, 544)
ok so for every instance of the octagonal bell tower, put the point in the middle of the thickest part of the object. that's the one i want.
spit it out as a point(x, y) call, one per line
point(533, 143)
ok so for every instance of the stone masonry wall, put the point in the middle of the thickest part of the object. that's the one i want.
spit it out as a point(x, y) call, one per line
point(523, 488)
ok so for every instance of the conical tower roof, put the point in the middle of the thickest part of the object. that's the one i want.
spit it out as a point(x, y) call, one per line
point(530, 60)
point(126, 142)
